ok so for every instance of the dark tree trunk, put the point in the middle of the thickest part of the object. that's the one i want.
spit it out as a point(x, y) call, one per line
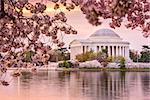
point(2, 12)
point(2, 5)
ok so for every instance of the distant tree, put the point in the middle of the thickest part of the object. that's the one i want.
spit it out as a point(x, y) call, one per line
point(122, 62)
point(59, 55)
point(103, 57)
point(87, 56)
point(27, 56)
point(145, 54)
point(134, 55)
point(64, 53)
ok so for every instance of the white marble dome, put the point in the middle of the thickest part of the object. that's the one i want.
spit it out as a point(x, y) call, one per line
point(105, 33)
point(101, 39)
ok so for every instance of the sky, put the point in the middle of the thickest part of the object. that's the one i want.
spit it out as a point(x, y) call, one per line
point(80, 23)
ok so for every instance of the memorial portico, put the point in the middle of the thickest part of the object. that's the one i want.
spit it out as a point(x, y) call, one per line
point(101, 39)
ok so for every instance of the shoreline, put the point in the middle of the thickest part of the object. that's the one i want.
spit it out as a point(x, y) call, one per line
point(85, 69)
point(106, 69)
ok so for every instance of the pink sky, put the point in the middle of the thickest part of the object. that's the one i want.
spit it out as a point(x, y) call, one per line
point(78, 21)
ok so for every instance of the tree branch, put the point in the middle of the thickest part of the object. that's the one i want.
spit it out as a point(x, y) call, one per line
point(2, 12)
point(2, 5)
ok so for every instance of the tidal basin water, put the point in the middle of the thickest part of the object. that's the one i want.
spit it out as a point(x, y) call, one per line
point(59, 85)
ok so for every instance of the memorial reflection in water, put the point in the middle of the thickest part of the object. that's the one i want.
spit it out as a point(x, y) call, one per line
point(79, 86)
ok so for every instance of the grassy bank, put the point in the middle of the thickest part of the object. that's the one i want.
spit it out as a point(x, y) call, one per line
point(106, 69)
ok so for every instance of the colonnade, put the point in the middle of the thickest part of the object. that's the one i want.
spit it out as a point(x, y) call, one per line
point(114, 51)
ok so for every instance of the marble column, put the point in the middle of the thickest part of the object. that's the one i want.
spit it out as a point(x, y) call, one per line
point(127, 52)
point(109, 51)
point(104, 47)
point(117, 51)
point(100, 49)
point(124, 51)
point(97, 49)
point(120, 50)
point(87, 47)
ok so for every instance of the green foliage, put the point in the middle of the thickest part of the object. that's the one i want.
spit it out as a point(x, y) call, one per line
point(121, 62)
point(145, 56)
point(119, 59)
point(114, 59)
point(134, 56)
point(104, 51)
point(65, 64)
point(28, 56)
point(110, 59)
point(59, 55)
point(102, 58)
point(86, 56)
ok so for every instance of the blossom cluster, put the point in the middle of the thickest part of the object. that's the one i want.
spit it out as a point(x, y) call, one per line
point(133, 13)
point(20, 31)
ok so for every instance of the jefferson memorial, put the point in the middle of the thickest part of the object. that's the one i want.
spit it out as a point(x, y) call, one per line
point(101, 39)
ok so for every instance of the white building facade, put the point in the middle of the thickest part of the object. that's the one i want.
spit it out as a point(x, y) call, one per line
point(101, 39)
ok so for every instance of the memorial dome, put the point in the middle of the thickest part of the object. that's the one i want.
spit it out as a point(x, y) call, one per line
point(105, 33)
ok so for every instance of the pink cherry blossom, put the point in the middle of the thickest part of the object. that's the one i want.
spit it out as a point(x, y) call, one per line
point(18, 31)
